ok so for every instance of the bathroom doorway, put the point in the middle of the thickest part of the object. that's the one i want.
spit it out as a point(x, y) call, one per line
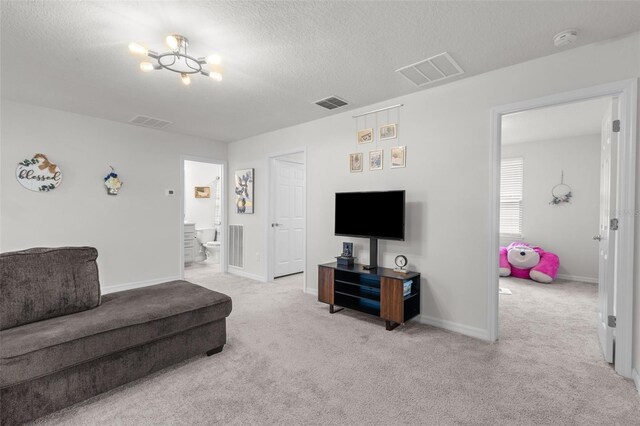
point(202, 219)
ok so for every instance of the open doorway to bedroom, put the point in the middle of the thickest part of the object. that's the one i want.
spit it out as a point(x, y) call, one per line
point(553, 187)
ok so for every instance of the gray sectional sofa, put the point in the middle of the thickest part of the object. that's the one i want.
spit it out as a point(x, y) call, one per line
point(61, 342)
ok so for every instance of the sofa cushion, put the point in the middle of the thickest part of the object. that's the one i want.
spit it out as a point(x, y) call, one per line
point(124, 320)
point(42, 283)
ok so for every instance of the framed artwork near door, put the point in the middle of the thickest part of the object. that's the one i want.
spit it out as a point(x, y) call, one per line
point(202, 192)
point(244, 191)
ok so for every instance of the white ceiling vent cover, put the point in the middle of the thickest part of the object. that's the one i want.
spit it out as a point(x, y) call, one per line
point(331, 102)
point(431, 70)
point(154, 123)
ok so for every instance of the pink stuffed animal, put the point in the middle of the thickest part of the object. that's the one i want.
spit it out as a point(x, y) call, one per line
point(520, 260)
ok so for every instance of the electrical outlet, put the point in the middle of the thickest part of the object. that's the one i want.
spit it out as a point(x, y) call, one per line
point(169, 192)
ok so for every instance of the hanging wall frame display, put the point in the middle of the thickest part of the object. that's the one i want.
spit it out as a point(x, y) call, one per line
point(388, 131)
point(398, 157)
point(355, 162)
point(375, 159)
point(365, 136)
point(244, 191)
point(38, 174)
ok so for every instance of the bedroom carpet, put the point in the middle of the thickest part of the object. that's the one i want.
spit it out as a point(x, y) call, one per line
point(288, 361)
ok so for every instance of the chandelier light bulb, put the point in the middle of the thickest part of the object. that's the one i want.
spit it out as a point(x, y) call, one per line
point(137, 49)
point(146, 66)
point(214, 59)
point(216, 76)
point(186, 80)
point(172, 42)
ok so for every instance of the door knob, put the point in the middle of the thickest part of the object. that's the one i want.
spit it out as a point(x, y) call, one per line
point(597, 237)
point(275, 224)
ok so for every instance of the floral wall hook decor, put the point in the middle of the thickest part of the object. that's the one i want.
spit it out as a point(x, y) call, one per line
point(112, 182)
point(561, 193)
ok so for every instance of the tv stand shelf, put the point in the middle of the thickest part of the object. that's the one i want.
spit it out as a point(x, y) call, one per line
point(378, 292)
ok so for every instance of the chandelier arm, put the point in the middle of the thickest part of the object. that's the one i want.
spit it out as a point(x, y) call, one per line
point(198, 69)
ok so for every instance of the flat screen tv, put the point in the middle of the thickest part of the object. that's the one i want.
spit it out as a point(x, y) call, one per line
point(376, 214)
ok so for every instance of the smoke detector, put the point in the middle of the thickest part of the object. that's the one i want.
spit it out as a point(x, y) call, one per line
point(565, 38)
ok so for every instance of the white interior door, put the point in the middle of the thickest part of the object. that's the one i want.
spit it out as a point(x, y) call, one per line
point(288, 221)
point(606, 237)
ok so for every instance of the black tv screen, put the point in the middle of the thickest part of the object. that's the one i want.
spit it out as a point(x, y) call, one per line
point(370, 214)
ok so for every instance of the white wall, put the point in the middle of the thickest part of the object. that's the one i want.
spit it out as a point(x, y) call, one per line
point(200, 211)
point(447, 133)
point(137, 233)
point(566, 229)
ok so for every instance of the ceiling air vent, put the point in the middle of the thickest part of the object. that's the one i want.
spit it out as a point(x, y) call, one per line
point(332, 102)
point(154, 123)
point(431, 70)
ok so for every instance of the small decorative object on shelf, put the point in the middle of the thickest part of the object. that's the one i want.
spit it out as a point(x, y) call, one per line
point(38, 174)
point(561, 193)
point(346, 258)
point(112, 182)
point(401, 262)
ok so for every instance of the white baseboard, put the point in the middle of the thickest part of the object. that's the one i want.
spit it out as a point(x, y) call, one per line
point(313, 291)
point(467, 330)
point(137, 284)
point(578, 278)
point(243, 274)
point(636, 378)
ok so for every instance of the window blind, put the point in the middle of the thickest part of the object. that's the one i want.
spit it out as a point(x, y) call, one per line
point(511, 177)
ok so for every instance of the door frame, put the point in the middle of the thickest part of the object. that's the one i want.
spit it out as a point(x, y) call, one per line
point(627, 92)
point(223, 208)
point(270, 240)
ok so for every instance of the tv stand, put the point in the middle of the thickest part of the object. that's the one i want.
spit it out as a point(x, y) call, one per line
point(373, 255)
point(378, 292)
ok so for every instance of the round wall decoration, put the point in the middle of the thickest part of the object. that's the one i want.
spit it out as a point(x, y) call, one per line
point(38, 174)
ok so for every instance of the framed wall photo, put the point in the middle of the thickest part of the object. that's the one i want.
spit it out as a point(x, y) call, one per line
point(375, 159)
point(202, 192)
point(244, 191)
point(388, 131)
point(365, 136)
point(355, 162)
point(398, 157)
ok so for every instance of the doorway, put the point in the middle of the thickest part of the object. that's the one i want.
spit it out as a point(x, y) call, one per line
point(202, 230)
point(286, 226)
point(615, 287)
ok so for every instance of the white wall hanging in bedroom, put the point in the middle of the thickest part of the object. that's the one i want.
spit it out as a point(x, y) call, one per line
point(112, 182)
point(377, 126)
point(38, 174)
point(561, 193)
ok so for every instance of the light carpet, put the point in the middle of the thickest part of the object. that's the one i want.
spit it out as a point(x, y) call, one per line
point(288, 361)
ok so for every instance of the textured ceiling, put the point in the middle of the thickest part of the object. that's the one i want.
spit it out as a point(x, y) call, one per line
point(556, 122)
point(279, 57)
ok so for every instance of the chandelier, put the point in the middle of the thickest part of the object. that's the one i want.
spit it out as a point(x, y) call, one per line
point(178, 60)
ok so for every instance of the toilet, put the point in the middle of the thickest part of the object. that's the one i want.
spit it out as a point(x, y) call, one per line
point(208, 237)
